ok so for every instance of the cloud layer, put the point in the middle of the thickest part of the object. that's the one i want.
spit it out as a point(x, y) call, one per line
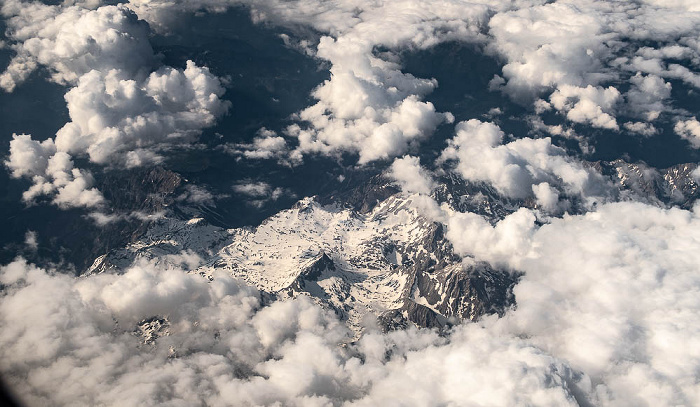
point(153, 335)
point(122, 112)
point(607, 305)
point(572, 58)
point(611, 292)
point(523, 168)
point(575, 57)
point(605, 315)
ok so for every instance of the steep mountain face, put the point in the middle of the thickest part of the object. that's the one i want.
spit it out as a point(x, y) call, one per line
point(369, 251)
point(389, 262)
point(670, 186)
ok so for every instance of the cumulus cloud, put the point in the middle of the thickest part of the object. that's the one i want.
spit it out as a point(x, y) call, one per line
point(473, 235)
point(73, 41)
point(368, 107)
point(260, 193)
point(266, 145)
point(645, 129)
point(52, 173)
point(625, 262)
point(606, 310)
point(549, 45)
point(547, 197)
point(574, 51)
point(115, 119)
point(156, 335)
point(29, 157)
point(152, 335)
point(569, 51)
point(409, 174)
point(18, 71)
point(648, 95)
point(365, 115)
point(654, 63)
point(516, 169)
point(609, 291)
point(584, 42)
point(607, 304)
point(587, 105)
point(689, 130)
point(122, 111)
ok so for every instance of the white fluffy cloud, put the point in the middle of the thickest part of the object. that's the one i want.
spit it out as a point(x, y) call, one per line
point(266, 145)
point(91, 340)
point(472, 368)
point(605, 316)
point(412, 178)
point(473, 235)
point(547, 197)
point(122, 112)
point(114, 118)
point(73, 41)
point(647, 97)
point(260, 193)
point(573, 48)
point(607, 305)
point(645, 129)
point(549, 45)
point(154, 335)
point(689, 130)
point(568, 50)
point(612, 292)
point(515, 168)
point(52, 173)
point(368, 106)
point(587, 105)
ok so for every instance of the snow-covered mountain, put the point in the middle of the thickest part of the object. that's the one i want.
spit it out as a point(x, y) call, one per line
point(390, 262)
point(370, 251)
